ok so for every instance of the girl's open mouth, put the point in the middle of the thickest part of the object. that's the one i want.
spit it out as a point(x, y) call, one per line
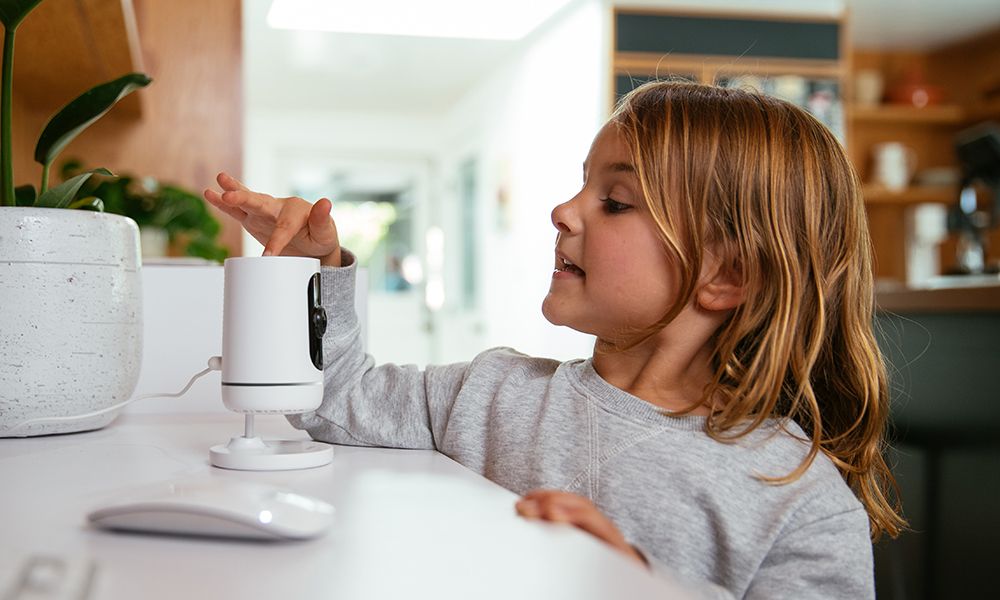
point(568, 267)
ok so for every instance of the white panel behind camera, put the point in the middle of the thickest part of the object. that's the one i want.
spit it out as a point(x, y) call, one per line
point(182, 328)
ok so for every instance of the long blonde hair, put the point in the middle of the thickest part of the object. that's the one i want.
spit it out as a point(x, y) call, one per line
point(770, 185)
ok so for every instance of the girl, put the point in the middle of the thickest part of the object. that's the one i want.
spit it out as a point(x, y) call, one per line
point(728, 429)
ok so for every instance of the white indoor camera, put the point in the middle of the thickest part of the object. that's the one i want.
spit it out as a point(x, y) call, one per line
point(272, 357)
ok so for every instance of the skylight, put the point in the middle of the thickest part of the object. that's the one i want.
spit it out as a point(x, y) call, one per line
point(465, 19)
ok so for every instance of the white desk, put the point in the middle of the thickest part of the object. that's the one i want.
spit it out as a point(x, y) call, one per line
point(410, 524)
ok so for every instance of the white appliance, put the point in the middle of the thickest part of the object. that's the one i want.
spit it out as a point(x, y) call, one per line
point(272, 357)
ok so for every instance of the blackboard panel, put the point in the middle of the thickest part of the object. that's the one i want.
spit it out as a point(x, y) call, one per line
point(727, 37)
point(626, 83)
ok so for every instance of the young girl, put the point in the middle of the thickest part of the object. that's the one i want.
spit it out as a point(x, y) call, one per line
point(728, 430)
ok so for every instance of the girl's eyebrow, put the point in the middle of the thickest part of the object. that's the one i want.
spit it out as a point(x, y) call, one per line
point(616, 167)
point(620, 167)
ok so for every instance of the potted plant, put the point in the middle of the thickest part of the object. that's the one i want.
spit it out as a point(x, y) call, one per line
point(166, 214)
point(71, 313)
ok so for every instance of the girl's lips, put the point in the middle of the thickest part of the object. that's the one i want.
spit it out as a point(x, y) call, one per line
point(566, 265)
point(567, 274)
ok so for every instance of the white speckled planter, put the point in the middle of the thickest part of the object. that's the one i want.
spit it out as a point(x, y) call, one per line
point(70, 317)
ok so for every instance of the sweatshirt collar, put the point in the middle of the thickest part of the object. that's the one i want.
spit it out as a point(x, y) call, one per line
point(625, 404)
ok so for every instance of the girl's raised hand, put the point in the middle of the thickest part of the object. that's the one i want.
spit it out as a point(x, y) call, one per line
point(564, 507)
point(286, 226)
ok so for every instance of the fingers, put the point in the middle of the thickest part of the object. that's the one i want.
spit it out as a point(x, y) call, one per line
point(289, 226)
point(291, 220)
point(321, 227)
point(253, 203)
point(563, 507)
point(215, 199)
point(230, 183)
point(237, 196)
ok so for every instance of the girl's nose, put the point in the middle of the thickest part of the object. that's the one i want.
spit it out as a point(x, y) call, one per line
point(565, 218)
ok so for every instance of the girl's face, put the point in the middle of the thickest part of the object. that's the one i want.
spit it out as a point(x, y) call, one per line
point(620, 278)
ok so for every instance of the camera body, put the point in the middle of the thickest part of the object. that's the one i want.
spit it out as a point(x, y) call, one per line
point(272, 335)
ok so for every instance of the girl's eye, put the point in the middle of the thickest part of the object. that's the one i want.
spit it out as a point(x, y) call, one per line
point(613, 206)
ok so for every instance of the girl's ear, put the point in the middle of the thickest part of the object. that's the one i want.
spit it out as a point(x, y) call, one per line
point(721, 285)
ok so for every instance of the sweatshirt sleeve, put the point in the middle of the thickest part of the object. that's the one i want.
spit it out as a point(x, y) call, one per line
point(830, 557)
point(367, 405)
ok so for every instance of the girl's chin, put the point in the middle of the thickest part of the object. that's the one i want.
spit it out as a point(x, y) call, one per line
point(551, 312)
point(559, 318)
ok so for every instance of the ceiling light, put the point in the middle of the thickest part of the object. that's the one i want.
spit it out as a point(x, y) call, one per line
point(467, 19)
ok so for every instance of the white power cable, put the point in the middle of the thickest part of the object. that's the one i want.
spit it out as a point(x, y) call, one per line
point(214, 364)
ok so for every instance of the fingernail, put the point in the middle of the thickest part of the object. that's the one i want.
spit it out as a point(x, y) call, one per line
point(527, 508)
point(268, 253)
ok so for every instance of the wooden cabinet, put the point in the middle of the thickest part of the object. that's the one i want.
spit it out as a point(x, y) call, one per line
point(929, 131)
point(716, 48)
point(801, 58)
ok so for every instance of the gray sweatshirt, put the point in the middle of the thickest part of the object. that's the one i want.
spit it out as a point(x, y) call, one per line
point(695, 507)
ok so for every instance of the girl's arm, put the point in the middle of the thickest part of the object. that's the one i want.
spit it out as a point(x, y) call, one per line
point(367, 405)
point(362, 405)
point(827, 558)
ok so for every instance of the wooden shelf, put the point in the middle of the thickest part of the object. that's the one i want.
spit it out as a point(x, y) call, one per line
point(981, 296)
point(876, 194)
point(985, 112)
point(645, 63)
point(944, 114)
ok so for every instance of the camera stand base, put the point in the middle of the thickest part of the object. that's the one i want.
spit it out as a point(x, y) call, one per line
point(256, 454)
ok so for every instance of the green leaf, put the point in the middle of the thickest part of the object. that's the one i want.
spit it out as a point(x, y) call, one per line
point(13, 11)
point(70, 168)
point(204, 246)
point(61, 195)
point(25, 195)
point(88, 203)
point(80, 113)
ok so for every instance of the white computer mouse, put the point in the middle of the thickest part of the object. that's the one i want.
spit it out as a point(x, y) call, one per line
point(220, 508)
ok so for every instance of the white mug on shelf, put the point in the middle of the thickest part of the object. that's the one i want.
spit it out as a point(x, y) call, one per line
point(868, 87)
point(895, 164)
point(926, 228)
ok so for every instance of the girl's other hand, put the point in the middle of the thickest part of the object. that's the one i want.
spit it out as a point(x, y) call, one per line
point(286, 226)
point(564, 507)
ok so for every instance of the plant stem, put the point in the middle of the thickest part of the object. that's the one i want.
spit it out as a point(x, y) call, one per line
point(6, 162)
point(45, 180)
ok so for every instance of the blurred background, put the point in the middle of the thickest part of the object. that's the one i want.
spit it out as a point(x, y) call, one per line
point(445, 131)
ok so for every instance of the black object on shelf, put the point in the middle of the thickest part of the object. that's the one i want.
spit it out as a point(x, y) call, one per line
point(978, 150)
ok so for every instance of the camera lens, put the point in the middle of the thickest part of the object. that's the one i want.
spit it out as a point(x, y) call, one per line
point(319, 321)
point(316, 317)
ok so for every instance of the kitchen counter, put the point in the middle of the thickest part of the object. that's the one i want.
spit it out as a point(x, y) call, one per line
point(942, 345)
point(946, 294)
point(940, 341)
